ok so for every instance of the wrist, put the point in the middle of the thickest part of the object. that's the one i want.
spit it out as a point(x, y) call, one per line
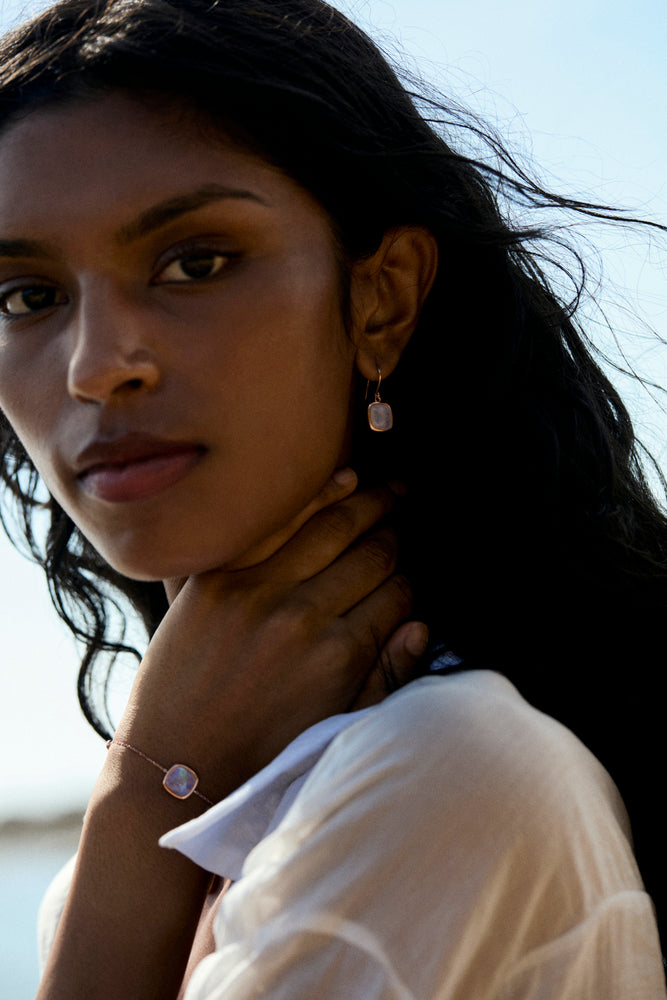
point(129, 897)
point(179, 780)
point(130, 790)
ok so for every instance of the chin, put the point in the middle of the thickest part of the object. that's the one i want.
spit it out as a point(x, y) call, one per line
point(141, 570)
point(155, 562)
point(152, 551)
point(147, 563)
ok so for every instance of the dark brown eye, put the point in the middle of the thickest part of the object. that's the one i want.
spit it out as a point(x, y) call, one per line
point(194, 267)
point(24, 301)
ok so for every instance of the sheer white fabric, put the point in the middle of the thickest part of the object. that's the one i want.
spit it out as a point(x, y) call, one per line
point(450, 843)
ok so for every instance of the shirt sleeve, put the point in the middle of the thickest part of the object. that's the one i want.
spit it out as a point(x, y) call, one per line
point(452, 845)
point(51, 909)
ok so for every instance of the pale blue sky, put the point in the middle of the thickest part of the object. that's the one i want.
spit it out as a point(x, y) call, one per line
point(584, 83)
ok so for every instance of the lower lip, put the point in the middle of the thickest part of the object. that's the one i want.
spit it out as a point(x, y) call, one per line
point(141, 479)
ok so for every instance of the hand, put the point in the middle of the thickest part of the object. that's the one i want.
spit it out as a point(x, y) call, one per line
point(242, 663)
point(247, 659)
point(396, 664)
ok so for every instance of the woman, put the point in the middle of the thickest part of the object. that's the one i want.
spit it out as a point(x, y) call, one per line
point(218, 223)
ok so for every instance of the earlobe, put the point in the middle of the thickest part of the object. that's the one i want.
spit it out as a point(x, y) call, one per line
point(388, 291)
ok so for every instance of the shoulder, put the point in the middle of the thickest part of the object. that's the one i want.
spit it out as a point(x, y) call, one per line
point(472, 736)
point(458, 818)
point(478, 710)
point(459, 774)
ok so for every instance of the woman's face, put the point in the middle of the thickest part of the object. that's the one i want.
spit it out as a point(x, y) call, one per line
point(172, 352)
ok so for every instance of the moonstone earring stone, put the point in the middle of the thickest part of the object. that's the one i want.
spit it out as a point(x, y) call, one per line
point(180, 781)
point(380, 417)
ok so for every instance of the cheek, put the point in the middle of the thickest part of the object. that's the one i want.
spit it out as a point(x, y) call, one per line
point(26, 399)
point(276, 342)
point(32, 398)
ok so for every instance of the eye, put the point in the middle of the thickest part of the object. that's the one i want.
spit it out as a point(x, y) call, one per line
point(192, 267)
point(31, 299)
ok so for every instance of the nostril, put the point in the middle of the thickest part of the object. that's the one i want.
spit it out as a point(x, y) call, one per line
point(99, 370)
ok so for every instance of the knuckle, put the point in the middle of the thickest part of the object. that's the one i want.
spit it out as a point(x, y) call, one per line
point(380, 551)
point(295, 618)
point(339, 521)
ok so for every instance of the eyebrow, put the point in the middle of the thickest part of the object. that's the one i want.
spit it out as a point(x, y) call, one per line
point(165, 211)
point(24, 248)
point(147, 221)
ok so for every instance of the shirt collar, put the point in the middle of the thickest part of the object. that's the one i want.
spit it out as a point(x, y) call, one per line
point(221, 838)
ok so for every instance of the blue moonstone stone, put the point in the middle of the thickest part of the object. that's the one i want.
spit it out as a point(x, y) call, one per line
point(380, 416)
point(180, 781)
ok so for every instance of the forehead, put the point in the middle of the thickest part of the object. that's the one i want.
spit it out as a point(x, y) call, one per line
point(85, 159)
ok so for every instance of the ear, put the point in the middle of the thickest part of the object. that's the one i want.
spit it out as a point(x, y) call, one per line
point(387, 293)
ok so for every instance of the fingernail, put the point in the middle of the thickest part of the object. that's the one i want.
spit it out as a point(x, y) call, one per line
point(416, 640)
point(345, 476)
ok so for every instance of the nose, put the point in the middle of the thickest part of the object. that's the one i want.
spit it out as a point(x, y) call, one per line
point(111, 351)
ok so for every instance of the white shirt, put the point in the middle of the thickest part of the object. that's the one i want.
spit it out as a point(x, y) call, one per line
point(449, 844)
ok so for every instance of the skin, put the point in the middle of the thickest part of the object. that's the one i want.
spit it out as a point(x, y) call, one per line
point(218, 326)
point(131, 341)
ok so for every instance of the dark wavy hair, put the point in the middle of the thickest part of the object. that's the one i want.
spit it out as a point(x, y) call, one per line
point(533, 542)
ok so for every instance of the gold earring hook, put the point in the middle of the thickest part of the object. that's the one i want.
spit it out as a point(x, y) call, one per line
point(377, 388)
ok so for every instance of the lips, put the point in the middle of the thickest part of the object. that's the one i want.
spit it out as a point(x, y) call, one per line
point(134, 467)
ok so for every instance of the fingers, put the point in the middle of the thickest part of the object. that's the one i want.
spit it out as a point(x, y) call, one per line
point(396, 665)
point(341, 484)
point(332, 522)
point(372, 621)
point(279, 645)
point(330, 532)
point(354, 575)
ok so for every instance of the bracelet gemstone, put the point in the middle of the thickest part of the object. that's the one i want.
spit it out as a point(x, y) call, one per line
point(180, 781)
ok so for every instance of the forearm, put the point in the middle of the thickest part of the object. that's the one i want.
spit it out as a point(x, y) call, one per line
point(133, 907)
point(255, 657)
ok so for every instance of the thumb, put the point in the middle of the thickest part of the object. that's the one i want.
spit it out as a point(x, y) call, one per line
point(396, 665)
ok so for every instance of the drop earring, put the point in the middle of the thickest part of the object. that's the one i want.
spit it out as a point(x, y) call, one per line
point(380, 417)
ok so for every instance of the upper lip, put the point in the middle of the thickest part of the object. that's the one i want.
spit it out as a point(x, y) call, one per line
point(128, 448)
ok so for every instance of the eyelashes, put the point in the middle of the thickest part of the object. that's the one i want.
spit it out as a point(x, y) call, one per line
point(30, 299)
point(193, 266)
point(186, 266)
